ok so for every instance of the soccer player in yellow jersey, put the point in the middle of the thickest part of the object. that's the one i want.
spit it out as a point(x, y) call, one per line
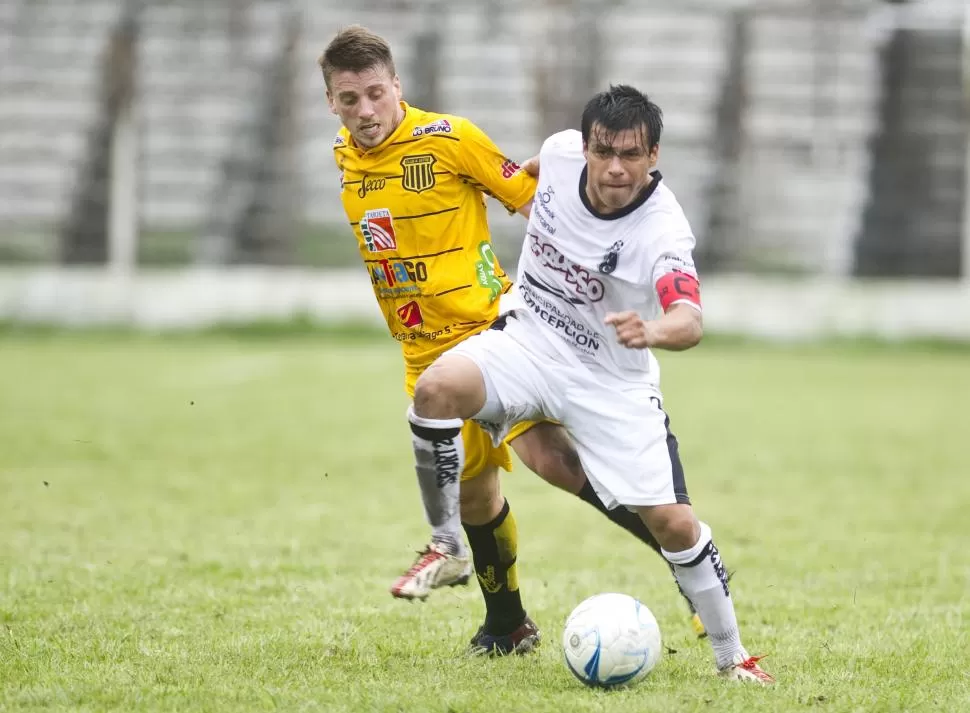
point(413, 185)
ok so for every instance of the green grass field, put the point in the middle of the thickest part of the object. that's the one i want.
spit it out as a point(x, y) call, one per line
point(211, 524)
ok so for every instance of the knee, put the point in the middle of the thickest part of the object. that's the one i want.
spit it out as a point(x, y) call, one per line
point(449, 388)
point(675, 528)
point(435, 395)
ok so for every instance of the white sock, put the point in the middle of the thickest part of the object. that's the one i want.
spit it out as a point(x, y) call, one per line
point(704, 580)
point(439, 458)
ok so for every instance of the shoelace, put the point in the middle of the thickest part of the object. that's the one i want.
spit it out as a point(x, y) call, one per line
point(427, 556)
point(751, 664)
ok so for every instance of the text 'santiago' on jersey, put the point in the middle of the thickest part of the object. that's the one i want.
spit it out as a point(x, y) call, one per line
point(398, 272)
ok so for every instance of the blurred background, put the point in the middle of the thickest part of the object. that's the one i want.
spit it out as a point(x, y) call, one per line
point(169, 162)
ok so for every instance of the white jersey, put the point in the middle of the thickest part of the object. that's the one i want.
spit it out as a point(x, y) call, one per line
point(578, 265)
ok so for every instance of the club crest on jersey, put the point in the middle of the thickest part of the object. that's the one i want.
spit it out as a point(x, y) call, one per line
point(377, 227)
point(410, 314)
point(418, 173)
point(611, 257)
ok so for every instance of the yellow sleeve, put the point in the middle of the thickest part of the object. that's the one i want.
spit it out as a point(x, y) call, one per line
point(482, 164)
point(339, 141)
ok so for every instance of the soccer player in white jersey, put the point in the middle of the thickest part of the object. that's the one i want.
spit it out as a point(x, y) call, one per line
point(606, 275)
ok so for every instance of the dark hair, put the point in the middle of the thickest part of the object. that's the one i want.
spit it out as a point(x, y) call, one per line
point(623, 107)
point(356, 49)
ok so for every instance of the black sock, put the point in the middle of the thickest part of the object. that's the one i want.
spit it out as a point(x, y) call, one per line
point(630, 522)
point(494, 548)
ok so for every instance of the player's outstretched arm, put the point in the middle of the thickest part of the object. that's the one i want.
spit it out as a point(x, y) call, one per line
point(498, 176)
point(681, 327)
point(531, 166)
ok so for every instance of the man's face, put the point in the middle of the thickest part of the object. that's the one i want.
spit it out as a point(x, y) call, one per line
point(368, 103)
point(618, 167)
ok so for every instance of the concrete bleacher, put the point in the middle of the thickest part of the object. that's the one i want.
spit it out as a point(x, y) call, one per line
point(812, 94)
point(201, 74)
point(49, 58)
point(488, 77)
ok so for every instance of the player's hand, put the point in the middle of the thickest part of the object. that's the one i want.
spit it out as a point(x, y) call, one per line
point(531, 166)
point(632, 331)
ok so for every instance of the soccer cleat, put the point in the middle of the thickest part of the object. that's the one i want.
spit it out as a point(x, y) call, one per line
point(433, 568)
point(521, 641)
point(746, 669)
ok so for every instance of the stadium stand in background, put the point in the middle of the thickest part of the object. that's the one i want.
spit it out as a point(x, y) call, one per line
point(804, 137)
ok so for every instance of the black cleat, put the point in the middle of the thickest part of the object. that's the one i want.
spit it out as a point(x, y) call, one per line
point(521, 641)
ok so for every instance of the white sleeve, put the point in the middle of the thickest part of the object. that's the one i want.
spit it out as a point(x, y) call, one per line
point(674, 254)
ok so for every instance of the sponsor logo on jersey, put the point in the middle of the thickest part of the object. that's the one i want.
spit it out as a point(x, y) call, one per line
point(574, 333)
point(410, 315)
point(676, 262)
point(542, 212)
point(485, 271)
point(396, 278)
point(418, 172)
point(578, 278)
point(339, 140)
point(377, 227)
point(542, 209)
point(368, 185)
point(417, 334)
point(510, 168)
point(611, 257)
point(441, 126)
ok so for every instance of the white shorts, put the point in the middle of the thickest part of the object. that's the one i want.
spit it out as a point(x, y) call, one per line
point(619, 428)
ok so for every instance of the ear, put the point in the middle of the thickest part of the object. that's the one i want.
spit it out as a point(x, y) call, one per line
point(585, 150)
point(396, 83)
point(654, 155)
point(333, 109)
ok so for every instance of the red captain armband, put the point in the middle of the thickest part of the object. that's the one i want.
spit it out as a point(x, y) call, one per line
point(678, 286)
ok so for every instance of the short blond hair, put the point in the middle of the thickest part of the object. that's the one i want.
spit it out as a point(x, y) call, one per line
point(355, 49)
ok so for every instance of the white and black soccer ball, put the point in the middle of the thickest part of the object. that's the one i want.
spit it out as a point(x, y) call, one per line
point(611, 640)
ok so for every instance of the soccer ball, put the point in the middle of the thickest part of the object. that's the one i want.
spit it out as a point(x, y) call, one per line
point(611, 640)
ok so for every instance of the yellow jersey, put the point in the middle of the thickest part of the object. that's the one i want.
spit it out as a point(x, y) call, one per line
point(417, 206)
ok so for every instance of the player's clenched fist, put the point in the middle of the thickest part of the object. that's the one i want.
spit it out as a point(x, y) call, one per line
point(632, 331)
